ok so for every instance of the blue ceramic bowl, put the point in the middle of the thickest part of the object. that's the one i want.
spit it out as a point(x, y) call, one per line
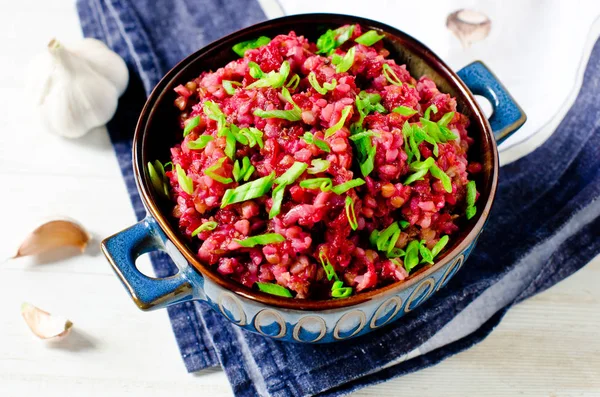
point(308, 321)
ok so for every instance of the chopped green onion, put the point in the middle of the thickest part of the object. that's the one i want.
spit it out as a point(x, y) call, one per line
point(439, 245)
point(433, 130)
point(248, 136)
point(261, 239)
point(366, 151)
point(344, 187)
point(417, 176)
point(397, 262)
point(277, 199)
point(190, 124)
point(427, 114)
point(329, 270)
point(403, 224)
point(471, 193)
point(441, 175)
point(343, 292)
point(243, 171)
point(212, 110)
point(470, 212)
point(291, 115)
point(371, 102)
point(185, 182)
point(337, 284)
point(390, 75)
point(406, 135)
point(373, 237)
point(273, 79)
point(411, 259)
point(230, 144)
point(210, 172)
point(311, 140)
point(317, 183)
point(343, 64)
point(318, 166)
point(404, 111)
point(446, 119)
point(200, 142)
point(449, 135)
point(157, 176)
point(364, 134)
point(422, 165)
point(274, 289)
point(369, 38)
point(414, 146)
point(312, 79)
point(332, 39)
point(291, 174)
point(254, 70)
point(248, 191)
point(209, 225)
point(350, 214)
point(241, 48)
point(422, 135)
point(338, 126)
point(426, 254)
point(293, 83)
point(239, 135)
point(228, 86)
point(384, 238)
point(396, 253)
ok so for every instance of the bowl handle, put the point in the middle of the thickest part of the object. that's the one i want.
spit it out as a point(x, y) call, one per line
point(508, 116)
point(123, 248)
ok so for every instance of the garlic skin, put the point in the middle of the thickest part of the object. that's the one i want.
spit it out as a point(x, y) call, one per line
point(45, 325)
point(76, 89)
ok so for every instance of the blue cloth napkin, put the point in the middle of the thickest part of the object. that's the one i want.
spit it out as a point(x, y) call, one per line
point(544, 225)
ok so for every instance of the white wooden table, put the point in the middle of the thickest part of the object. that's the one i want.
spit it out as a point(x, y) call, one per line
point(546, 346)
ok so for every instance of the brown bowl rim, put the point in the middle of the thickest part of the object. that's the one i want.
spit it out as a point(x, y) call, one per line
point(300, 304)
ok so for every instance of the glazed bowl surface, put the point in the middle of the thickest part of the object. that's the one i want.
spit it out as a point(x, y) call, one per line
point(310, 321)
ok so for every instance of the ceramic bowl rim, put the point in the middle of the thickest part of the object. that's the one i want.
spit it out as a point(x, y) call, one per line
point(425, 54)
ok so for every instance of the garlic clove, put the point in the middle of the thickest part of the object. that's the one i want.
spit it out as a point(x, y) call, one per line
point(469, 26)
point(104, 61)
point(53, 235)
point(45, 325)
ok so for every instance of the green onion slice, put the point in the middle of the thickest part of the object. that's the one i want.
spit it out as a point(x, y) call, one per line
point(446, 119)
point(383, 241)
point(343, 292)
point(343, 64)
point(417, 176)
point(439, 245)
point(248, 191)
point(254, 70)
point(208, 225)
point(426, 254)
point(427, 114)
point(391, 76)
point(241, 48)
point(156, 172)
point(261, 239)
point(422, 165)
point(190, 124)
point(369, 38)
point(291, 115)
point(312, 79)
point(471, 193)
point(470, 212)
point(338, 126)
point(293, 83)
point(404, 111)
point(350, 214)
point(228, 86)
point(318, 166)
point(329, 270)
point(277, 199)
point(436, 172)
point(273, 79)
point(230, 144)
point(274, 289)
point(332, 39)
point(373, 237)
point(403, 224)
point(411, 259)
point(200, 142)
point(421, 135)
point(210, 172)
point(311, 140)
point(449, 135)
point(344, 187)
point(243, 171)
point(406, 135)
point(317, 183)
point(185, 182)
point(291, 174)
point(364, 134)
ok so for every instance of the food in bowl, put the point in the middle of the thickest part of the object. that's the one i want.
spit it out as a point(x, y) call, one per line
point(318, 170)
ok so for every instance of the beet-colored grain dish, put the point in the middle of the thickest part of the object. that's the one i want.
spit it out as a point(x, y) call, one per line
point(318, 170)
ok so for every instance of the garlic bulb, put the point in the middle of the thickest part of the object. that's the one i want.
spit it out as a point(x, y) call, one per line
point(77, 88)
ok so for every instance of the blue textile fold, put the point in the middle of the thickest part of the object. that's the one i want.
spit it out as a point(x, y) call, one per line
point(544, 225)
